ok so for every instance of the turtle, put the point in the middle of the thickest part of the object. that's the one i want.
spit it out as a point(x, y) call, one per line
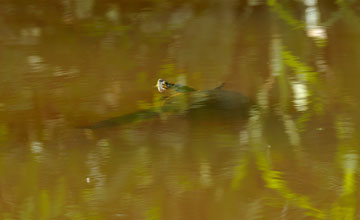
point(189, 102)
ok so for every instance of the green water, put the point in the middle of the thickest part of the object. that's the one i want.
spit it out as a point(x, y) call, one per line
point(68, 64)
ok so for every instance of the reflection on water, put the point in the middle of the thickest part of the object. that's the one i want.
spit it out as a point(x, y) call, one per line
point(279, 140)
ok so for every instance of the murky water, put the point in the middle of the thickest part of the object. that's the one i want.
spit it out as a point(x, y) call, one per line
point(290, 151)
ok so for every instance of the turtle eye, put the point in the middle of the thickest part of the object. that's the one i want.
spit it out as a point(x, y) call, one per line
point(165, 85)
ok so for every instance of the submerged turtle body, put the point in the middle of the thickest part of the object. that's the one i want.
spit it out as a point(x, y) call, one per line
point(215, 100)
point(189, 102)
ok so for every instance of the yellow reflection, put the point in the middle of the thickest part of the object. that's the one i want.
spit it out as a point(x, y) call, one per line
point(153, 213)
point(36, 63)
point(3, 132)
point(300, 96)
point(285, 14)
point(113, 14)
point(274, 181)
point(83, 9)
point(239, 173)
point(180, 17)
point(304, 72)
point(291, 130)
point(205, 173)
point(44, 205)
point(350, 162)
point(312, 20)
point(273, 178)
point(36, 147)
point(254, 2)
point(344, 207)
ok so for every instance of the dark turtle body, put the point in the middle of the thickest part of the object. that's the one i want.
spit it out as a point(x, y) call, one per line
point(186, 101)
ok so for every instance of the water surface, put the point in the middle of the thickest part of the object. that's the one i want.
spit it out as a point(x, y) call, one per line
point(68, 64)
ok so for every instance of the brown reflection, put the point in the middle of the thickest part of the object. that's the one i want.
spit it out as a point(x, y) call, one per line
point(293, 154)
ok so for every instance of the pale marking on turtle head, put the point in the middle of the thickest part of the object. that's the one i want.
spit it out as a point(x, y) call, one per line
point(161, 85)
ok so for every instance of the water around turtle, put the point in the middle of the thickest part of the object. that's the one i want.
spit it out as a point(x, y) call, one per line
point(179, 154)
point(215, 103)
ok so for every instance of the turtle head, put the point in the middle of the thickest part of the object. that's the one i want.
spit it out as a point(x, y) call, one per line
point(162, 85)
